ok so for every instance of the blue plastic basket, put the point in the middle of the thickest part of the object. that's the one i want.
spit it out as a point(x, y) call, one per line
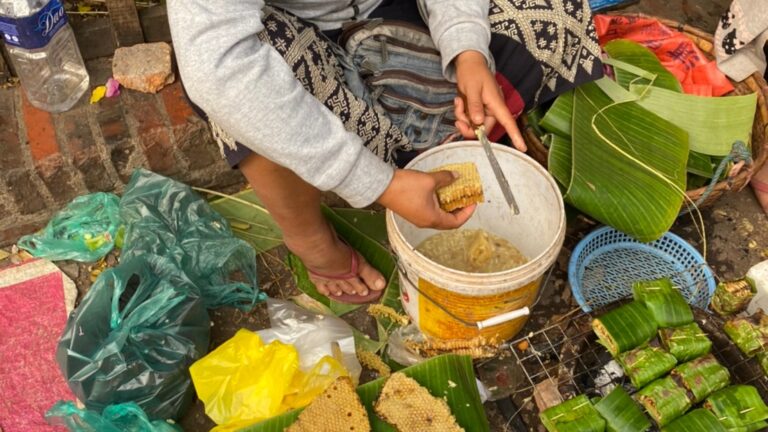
point(598, 5)
point(607, 262)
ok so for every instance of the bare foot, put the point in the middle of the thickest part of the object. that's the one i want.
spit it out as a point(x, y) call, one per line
point(325, 254)
point(760, 187)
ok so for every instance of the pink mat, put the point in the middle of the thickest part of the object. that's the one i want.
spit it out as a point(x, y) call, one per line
point(35, 298)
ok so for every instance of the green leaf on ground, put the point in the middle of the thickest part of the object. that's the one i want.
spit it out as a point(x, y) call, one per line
point(249, 220)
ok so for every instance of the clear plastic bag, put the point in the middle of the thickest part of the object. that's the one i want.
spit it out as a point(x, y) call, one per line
point(85, 230)
point(132, 338)
point(127, 417)
point(314, 335)
point(166, 218)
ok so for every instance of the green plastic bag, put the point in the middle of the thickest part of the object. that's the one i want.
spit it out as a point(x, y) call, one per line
point(85, 230)
point(133, 338)
point(127, 417)
point(167, 218)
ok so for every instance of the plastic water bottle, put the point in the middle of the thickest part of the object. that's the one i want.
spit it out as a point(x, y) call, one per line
point(44, 52)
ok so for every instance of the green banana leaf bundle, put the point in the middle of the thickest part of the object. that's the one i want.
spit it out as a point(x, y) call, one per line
point(622, 413)
point(574, 415)
point(664, 400)
point(746, 335)
point(702, 376)
point(645, 364)
point(739, 408)
point(624, 328)
point(762, 358)
point(732, 297)
point(668, 307)
point(698, 420)
point(685, 342)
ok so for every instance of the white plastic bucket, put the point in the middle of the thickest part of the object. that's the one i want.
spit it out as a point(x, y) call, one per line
point(451, 304)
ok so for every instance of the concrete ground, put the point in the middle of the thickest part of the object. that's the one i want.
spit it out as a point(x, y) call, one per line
point(736, 233)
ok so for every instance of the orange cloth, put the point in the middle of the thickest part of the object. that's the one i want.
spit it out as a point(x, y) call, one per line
point(677, 52)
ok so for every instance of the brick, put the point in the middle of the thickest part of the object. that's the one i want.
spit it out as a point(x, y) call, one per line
point(177, 105)
point(95, 174)
point(159, 151)
point(120, 156)
point(28, 199)
point(58, 178)
point(196, 145)
point(10, 235)
point(144, 108)
point(112, 122)
point(76, 132)
point(11, 155)
point(41, 134)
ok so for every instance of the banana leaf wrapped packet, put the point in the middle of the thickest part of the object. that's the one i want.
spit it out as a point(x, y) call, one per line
point(665, 302)
point(702, 377)
point(685, 342)
point(746, 335)
point(664, 400)
point(698, 420)
point(622, 413)
point(733, 296)
point(624, 328)
point(574, 415)
point(643, 365)
point(739, 408)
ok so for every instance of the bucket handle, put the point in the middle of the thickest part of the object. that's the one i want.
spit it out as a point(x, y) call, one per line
point(490, 322)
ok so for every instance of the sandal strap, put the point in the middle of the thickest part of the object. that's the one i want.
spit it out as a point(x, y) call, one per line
point(759, 185)
point(352, 274)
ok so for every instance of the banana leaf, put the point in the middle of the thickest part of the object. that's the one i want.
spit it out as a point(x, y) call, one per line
point(664, 400)
point(745, 334)
point(624, 328)
point(732, 296)
point(534, 120)
point(685, 342)
point(448, 376)
point(636, 55)
point(628, 171)
point(621, 412)
point(559, 159)
point(645, 364)
point(249, 220)
point(739, 407)
point(713, 124)
point(574, 415)
point(762, 359)
point(559, 119)
point(700, 165)
point(668, 307)
point(702, 376)
point(370, 223)
point(698, 420)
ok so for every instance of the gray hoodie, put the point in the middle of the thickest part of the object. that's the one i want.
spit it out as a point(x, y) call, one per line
point(247, 88)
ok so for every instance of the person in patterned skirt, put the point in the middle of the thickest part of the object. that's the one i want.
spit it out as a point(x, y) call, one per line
point(297, 114)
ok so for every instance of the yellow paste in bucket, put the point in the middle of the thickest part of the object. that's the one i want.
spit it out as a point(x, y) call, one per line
point(472, 250)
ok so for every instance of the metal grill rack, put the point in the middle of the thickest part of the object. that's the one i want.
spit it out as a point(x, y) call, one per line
point(568, 354)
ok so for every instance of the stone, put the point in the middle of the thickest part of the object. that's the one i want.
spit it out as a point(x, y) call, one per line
point(144, 67)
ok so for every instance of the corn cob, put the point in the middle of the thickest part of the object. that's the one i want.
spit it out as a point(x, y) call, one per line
point(465, 191)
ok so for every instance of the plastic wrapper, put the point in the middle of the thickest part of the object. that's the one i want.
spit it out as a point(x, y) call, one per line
point(132, 338)
point(313, 335)
point(167, 218)
point(85, 230)
point(127, 417)
point(246, 380)
point(398, 350)
point(702, 377)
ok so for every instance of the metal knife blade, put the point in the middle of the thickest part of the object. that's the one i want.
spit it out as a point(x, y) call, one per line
point(503, 183)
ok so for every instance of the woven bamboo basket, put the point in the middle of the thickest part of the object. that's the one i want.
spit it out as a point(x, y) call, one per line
point(754, 84)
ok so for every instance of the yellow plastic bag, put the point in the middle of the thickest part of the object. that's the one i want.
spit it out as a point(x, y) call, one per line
point(245, 381)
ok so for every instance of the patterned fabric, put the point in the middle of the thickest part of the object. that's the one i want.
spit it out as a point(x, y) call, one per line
point(740, 38)
point(558, 34)
point(316, 67)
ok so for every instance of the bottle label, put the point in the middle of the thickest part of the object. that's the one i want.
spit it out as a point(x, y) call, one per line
point(36, 30)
